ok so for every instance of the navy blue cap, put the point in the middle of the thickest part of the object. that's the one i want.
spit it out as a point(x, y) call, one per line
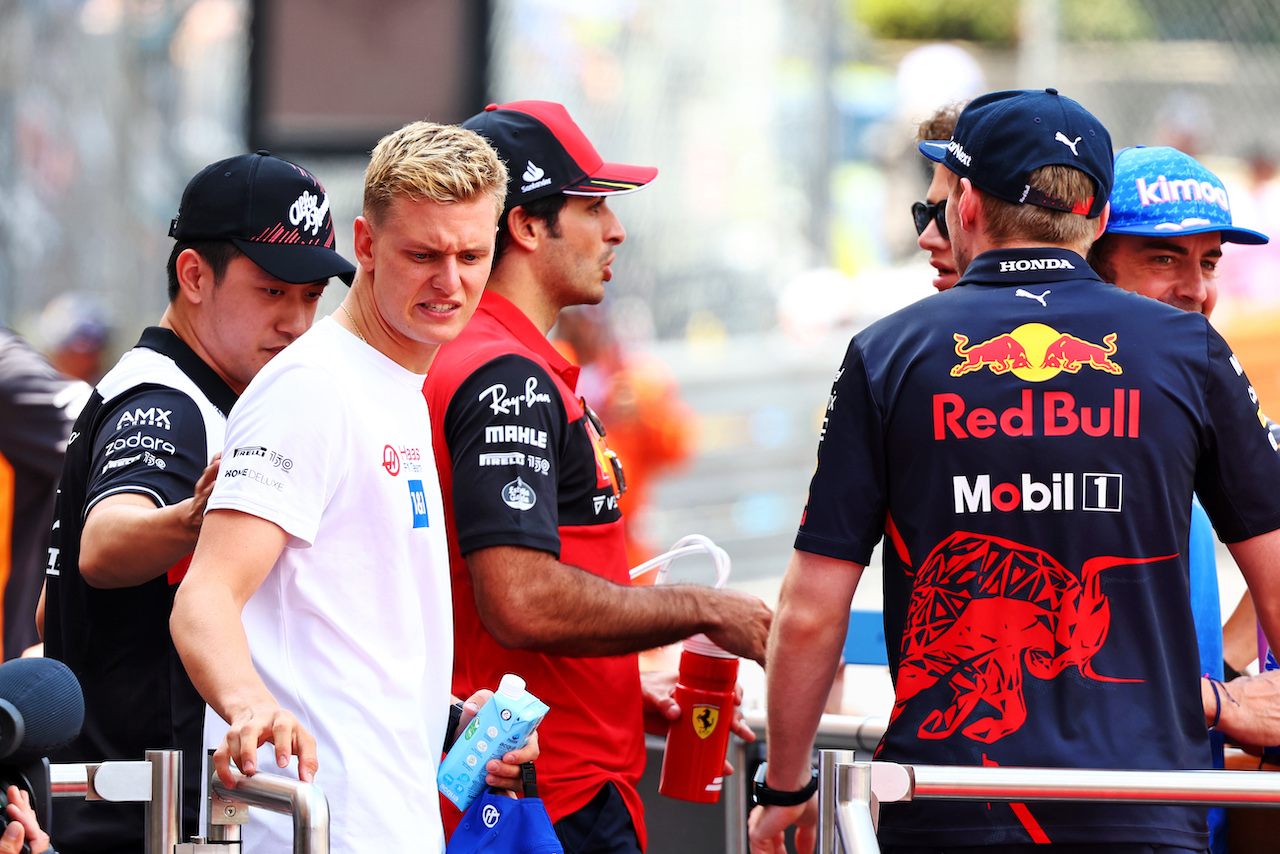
point(1162, 191)
point(1002, 137)
point(498, 824)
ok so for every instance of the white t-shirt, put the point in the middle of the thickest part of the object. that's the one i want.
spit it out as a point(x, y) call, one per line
point(352, 630)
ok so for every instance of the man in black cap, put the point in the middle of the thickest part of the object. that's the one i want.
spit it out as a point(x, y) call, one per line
point(254, 252)
point(1028, 443)
point(537, 551)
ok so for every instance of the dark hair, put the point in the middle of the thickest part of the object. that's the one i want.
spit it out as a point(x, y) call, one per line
point(218, 254)
point(1099, 257)
point(546, 209)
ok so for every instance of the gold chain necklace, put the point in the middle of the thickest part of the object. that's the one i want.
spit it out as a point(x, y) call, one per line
point(359, 334)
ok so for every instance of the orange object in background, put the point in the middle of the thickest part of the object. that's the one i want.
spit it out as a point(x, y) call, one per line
point(1253, 331)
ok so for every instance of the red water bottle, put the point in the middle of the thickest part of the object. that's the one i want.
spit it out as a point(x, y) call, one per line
point(693, 764)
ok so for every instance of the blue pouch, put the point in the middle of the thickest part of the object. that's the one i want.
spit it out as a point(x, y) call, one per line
point(498, 824)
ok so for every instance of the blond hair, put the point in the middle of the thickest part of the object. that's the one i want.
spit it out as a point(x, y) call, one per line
point(1012, 221)
point(425, 160)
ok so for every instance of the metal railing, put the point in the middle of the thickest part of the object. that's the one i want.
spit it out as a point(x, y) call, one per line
point(849, 792)
point(157, 782)
point(304, 802)
point(854, 733)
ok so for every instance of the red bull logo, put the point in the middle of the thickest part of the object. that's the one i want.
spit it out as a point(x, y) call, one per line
point(1050, 413)
point(1035, 352)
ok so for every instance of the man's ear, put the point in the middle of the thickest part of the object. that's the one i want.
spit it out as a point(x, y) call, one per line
point(195, 276)
point(968, 206)
point(362, 242)
point(1102, 220)
point(526, 230)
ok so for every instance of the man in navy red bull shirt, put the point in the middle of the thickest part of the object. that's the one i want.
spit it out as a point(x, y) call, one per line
point(1028, 443)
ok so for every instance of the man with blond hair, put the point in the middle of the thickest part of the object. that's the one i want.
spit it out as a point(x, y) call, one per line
point(316, 613)
point(1027, 442)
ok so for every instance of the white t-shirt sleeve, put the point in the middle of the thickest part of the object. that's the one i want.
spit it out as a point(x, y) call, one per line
point(282, 460)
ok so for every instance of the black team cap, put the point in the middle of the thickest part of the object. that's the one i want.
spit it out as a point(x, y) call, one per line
point(274, 212)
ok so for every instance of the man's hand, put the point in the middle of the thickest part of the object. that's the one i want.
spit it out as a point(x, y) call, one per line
point(1250, 709)
point(767, 827)
point(503, 773)
point(193, 508)
point(657, 691)
point(22, 825)
point(254, 727)
point(744, 622)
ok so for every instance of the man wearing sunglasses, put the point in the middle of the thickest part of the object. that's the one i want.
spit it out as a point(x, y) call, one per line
point(537, 548)
point(930, 215)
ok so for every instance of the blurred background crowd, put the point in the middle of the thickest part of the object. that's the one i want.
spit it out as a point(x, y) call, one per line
point(779, 225)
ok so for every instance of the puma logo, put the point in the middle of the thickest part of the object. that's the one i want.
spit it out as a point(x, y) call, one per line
point(1069, 143)
point(1037, 297)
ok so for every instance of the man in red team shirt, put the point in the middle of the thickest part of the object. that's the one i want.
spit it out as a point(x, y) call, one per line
point(538, 556)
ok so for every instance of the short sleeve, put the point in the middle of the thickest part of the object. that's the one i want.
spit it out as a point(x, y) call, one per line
point(1238, 466)
point(39, 405)
point(283, 456)
point(844, 515)
point(149, 441)
point(505, 428)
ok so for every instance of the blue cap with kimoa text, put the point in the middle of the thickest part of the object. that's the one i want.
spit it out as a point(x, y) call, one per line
point(1161, 191)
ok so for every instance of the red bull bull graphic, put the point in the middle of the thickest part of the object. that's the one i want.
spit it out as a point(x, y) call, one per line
point(986, 612)
point(1001, 354)
point(1035, 352)
point(1071, 353)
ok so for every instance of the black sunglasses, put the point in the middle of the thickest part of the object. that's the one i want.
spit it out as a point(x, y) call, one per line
point(922, 212)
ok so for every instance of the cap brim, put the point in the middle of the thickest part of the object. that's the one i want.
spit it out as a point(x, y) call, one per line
point(612, 179)
point(295, 263)
point(934, 149)
point(1229, 234)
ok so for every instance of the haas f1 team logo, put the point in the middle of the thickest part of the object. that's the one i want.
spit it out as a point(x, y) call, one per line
point(1035, 352)
point(985, 611)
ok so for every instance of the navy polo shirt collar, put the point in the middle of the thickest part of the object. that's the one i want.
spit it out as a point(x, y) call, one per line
point(1032, 266)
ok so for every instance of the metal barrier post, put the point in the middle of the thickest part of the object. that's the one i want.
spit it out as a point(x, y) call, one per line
point(857, 809)
point(828, 796)
point(164, 808)
point(304, 802)
point(735, 799)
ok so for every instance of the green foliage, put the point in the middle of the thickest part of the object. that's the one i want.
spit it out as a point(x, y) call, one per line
point(995, 22)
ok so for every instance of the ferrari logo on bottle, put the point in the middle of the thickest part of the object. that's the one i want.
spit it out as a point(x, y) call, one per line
point(704, 720)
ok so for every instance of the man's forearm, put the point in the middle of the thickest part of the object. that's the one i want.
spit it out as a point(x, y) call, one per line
point(804, 651)
point(210, 638)
point(127, 544)
point(529, 600)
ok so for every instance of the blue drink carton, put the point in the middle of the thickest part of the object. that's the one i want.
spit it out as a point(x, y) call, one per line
point(503, 724)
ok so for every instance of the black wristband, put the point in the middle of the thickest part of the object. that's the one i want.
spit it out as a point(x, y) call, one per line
point(451, 731)
point(766, 797)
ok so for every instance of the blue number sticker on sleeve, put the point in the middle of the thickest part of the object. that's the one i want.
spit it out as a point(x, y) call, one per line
point(419, 497)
